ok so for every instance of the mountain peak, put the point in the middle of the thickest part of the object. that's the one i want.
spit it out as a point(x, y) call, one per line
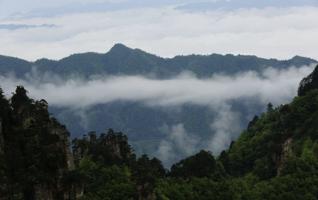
point(118, 47)
point(301, 60)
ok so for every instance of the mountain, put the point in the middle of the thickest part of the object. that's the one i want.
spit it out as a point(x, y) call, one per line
point(122, 60)
point(274, 158)
point(149, 128)
point(18, 66)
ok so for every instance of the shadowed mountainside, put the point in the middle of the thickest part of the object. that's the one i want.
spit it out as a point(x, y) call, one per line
point(122, 60)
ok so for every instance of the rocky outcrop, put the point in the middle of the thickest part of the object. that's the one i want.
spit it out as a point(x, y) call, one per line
point(56, 192)
point(114, 143)
point(309, 83)
point(35, 150)
point(64, 142)
point(284, 155)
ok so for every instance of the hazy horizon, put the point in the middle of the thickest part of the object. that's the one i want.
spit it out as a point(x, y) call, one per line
point(167, 57)
point(55, 29)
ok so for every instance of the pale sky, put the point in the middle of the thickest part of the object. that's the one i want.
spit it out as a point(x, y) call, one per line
point(33, 29)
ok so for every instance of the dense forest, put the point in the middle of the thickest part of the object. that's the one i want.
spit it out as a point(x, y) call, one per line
point(276, 157)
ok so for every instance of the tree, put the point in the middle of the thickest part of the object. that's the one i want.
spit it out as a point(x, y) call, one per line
point(146, 172)
point(202, 164)
point(20, 98)
point(270, 107)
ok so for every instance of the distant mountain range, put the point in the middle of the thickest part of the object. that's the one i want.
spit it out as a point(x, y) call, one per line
point(122, 60)
point(147, 126)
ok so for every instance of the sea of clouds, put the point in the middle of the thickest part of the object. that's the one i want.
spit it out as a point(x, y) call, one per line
point(216, 93)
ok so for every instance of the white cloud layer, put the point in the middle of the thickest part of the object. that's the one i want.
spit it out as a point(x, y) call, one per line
point(271, 85)
point(167, 31)
point(216, 93)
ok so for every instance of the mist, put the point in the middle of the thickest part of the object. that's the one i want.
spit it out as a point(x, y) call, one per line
point(216, 93)
point(271, 85)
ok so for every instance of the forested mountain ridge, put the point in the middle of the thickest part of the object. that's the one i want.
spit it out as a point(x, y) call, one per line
point(276, 157)
point(122, 60)
point(130, 116)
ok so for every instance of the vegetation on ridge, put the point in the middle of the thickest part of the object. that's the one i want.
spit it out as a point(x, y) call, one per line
point(276, 157)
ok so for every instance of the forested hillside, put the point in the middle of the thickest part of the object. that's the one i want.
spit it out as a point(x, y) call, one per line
point(276, 157)
point(122, 60)
point(146, 126)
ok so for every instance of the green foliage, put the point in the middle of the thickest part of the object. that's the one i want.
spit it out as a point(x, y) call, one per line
point(202, 164)
point(298, 186)
point(33, 146)
point(109, 149)
point(108, 165)
point(146, 172)
point(275, 158)
point(309, 83)
point(103, 183)
point(260, 147)
point(181, 189)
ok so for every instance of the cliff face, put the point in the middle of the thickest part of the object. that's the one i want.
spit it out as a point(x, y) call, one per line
point(284, 155)
point(34, 150)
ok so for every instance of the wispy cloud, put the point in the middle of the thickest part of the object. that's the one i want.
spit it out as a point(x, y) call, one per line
point(216, 93)
point(226, 127)
point(244, 4)
point(25, 26)
point(166, 31)
point(177, 144)
point(180, 143)
point(271, 85)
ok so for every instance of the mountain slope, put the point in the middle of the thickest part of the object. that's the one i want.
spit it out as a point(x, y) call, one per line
point(122, 60)
point(275, 158)
point(281, 140)
point(18, 66)
point(148, 127)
